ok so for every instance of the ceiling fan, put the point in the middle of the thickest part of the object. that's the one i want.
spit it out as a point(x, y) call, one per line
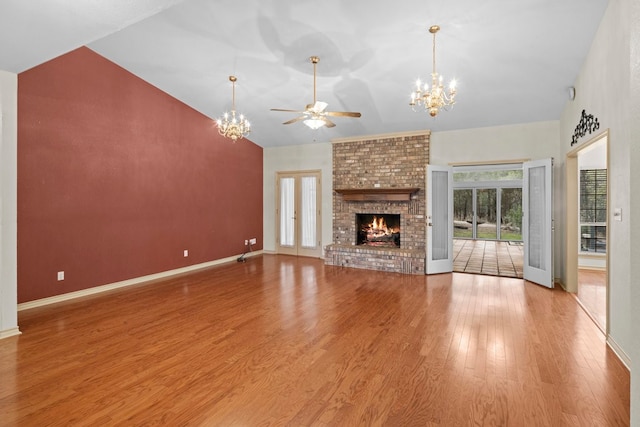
point(314, 115)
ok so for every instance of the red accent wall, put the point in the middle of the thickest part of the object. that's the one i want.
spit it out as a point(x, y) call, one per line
point(117, 178)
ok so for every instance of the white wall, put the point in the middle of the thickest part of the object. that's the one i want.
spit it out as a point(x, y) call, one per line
point(318, 156)
point(8, 203)
point(594, 156)
point(634, 190)
point(529, 141)
point(608, 87)
point(602, 89)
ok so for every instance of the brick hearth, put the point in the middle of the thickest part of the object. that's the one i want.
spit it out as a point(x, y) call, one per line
point(387, 161)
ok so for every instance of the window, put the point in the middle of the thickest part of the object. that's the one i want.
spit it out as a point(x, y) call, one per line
point(481, 173)
point(593, 210)
point(487, 201)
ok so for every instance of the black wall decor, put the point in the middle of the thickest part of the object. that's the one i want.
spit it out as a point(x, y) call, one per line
point(587, 124)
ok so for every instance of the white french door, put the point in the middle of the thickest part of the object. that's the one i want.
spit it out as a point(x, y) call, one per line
point(439, 219)
point(298, 213)
point(537, 223)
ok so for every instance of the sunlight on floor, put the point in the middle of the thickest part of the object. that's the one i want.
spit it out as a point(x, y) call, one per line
point(592, 294)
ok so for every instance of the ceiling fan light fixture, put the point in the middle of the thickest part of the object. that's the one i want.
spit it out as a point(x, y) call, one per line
point(437, 98)
point(229, 125)
point(314, 123)
point(314, 115)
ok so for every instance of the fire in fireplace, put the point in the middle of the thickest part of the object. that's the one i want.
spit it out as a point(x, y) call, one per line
point(378, 230)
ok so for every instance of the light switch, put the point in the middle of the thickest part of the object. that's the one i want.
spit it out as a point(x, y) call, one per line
point(617, 214)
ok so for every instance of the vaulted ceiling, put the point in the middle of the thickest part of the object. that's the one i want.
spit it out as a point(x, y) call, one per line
point(514, 60)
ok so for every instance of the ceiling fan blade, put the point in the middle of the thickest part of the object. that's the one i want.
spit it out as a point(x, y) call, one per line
point(328, 123)
point(297, 119)
point(343, 114)
point(287, 111)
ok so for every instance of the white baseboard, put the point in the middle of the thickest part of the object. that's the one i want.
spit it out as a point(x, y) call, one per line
point(592, 268)
point(98, 289)
point(10, 333)
point(624, 358)
point(273, 252)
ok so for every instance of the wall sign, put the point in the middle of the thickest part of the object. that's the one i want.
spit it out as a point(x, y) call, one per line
point(587, 124)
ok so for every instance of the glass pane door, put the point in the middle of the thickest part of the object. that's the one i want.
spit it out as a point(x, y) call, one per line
point(298, 215)
point(486, 215)
point(537, 224)
point(440, 215)
point(511, 214)
point(439, 219)
point(308, 224)
point(463, 213)
point(287, 211)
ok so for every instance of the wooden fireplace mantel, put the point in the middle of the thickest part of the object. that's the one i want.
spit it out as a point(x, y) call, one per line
point(375, 194)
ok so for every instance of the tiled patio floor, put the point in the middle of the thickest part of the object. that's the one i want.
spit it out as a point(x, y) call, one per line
point(488, 257)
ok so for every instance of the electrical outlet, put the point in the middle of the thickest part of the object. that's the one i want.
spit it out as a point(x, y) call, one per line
point(252, 241)
point(60, 275)
point(186, 253)
point(246, 242)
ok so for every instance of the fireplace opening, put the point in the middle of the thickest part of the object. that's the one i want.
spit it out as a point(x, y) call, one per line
point(378, 230)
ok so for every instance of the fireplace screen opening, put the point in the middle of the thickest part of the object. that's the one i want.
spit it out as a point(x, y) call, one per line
point(378, 230)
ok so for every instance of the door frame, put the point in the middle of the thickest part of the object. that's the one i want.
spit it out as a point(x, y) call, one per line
point(572, 219)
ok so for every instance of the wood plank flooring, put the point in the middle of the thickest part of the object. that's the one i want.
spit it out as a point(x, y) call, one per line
point(489, 257)
point(592, 294)
point(281, 340)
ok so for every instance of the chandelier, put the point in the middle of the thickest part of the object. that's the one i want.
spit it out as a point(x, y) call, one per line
point(231, 126)
point(436, 98)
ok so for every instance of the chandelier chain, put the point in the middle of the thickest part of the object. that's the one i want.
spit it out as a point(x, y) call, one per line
point(433, 53)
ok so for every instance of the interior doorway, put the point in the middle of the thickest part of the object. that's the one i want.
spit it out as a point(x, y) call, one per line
point(587, 227)
point(298, 208)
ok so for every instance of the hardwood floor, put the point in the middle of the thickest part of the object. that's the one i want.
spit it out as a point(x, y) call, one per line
point(494, 258)
point(281, 340)
point(592, 293)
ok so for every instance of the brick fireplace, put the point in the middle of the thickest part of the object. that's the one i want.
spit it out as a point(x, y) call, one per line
point(380, 175)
